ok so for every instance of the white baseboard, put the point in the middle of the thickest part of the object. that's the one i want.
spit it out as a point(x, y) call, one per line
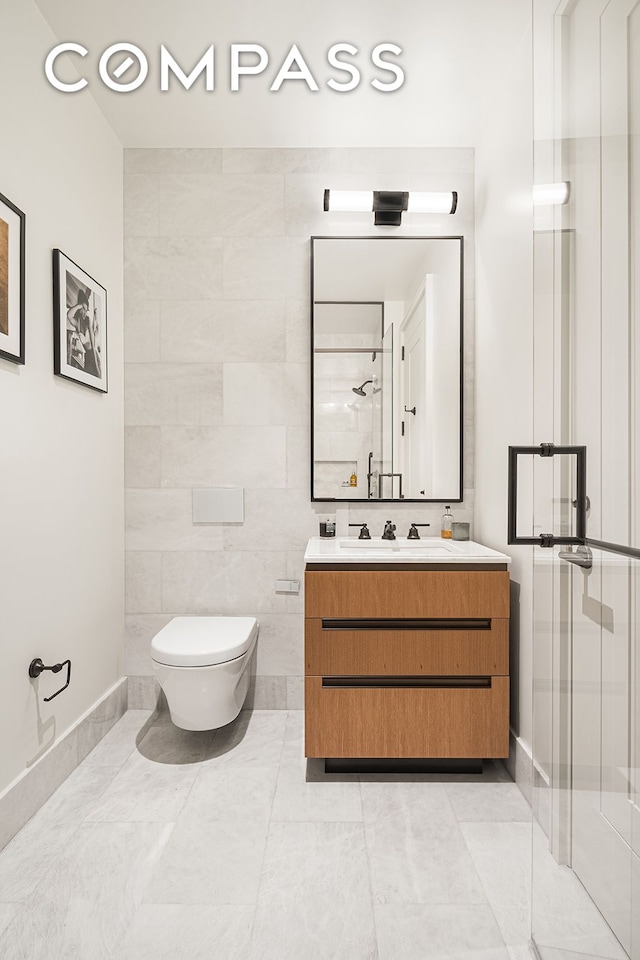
point(24, 797)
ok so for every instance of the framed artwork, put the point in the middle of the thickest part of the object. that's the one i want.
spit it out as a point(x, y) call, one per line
point(12, 260)
point(79, 324)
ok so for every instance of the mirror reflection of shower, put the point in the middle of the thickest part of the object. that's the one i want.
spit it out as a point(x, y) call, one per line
point(360, 390)
point(349, 396)
point(387, 318)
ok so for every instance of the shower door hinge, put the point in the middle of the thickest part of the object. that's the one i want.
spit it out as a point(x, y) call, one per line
point(548, 450)
point(402, 354)
point(402, 428)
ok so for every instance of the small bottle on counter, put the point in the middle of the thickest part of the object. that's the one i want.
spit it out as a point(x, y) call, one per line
point(353, 480)
point(446, 524)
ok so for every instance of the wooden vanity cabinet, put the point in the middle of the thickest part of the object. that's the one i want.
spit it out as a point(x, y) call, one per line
point(405, 662)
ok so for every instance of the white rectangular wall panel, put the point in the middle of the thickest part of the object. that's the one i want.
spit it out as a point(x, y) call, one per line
point(218, 505)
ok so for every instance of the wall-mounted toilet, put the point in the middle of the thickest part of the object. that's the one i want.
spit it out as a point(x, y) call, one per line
point(203, 666)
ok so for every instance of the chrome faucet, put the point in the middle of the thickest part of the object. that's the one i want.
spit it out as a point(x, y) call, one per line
point(389, 531)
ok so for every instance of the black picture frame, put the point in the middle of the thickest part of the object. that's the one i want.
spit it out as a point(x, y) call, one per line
point(12, 281)
point(79, 325)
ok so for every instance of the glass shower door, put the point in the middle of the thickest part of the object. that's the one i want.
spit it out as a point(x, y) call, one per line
point(586, 852)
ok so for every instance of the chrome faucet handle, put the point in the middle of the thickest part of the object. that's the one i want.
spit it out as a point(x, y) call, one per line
point(413, 530)
point(389, 531)
point(364, 531)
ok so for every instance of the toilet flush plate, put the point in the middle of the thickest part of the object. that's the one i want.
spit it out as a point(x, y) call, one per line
point(218, 505)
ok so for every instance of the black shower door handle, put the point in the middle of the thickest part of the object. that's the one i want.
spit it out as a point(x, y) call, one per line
point(548, 450)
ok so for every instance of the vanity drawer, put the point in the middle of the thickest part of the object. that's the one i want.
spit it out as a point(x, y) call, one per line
point(407, 593)
point(477, 648)
point(438, 721)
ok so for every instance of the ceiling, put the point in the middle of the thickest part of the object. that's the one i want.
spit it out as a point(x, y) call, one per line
point(455, 55)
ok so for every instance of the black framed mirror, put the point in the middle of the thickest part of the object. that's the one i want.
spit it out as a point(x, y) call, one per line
point(386, 369)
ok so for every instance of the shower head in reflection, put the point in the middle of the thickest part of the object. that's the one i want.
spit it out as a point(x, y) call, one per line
point(360, 390)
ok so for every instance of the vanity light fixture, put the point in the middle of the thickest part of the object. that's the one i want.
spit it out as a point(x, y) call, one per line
point(551, 194)
point(389, 205)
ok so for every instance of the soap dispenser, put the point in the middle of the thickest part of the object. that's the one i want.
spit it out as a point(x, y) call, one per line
point(446, 524)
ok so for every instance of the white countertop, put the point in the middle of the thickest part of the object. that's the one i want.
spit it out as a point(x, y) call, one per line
point(427, 550)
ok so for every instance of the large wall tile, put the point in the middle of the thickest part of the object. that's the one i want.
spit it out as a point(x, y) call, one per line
point(169, 268)
point(224, 286)
point(142, 331)
point(279, 160)
point(280, 645)
point(331, 160)
point(162, 520)
point(140, 160)
point(144, 693)
point(143, 583)
point(269, 393)
point(223, 206)
point(173, 393)
point(140, 629)
point(298, 457)
point(223, 456)
point(93, 727)
point(140, 205)
point(172, 160)
point(142, 456)
point(284, 520)
point(298, 331)
point(209, 331)
point(295, 693)
point(267, 693)
point(274, 269)
point(225, 584)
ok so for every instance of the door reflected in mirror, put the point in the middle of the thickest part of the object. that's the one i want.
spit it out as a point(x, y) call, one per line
point(386, 370)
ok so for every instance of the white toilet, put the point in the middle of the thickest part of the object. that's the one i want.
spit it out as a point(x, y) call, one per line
point(203, 666)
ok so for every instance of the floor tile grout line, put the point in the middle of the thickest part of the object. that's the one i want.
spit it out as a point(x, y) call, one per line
point(268, 829)
point(171, 823)
point(369, 871)
point(482, 883)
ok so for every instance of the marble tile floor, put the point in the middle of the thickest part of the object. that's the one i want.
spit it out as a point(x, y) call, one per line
point(230, 846)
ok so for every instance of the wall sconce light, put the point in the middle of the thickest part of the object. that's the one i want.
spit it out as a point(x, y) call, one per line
point(551, 194)
point(389, 205)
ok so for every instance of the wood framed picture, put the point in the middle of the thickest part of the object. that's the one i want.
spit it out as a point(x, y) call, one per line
point(12, 272)
point(80, 324)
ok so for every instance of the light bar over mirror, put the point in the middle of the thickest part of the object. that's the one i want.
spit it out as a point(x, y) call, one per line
point(389, 205)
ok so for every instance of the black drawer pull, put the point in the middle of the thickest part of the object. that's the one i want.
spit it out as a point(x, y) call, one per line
point(408, 623)
point(433, 683)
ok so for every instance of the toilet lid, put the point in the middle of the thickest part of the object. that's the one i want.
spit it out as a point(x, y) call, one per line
point(203, 641)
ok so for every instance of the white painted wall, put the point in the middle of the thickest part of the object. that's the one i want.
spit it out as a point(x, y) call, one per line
point(504, 340)
point(61, 460)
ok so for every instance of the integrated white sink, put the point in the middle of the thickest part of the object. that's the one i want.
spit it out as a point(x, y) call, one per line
point(426, 550)
point(423, 548)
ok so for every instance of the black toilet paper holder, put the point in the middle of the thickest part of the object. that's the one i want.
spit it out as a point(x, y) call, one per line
point(37, 666)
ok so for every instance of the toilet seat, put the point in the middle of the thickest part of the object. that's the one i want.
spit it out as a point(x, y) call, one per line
point(203, 641)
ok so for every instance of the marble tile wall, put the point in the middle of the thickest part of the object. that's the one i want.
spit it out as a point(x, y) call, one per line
point(217, 378)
